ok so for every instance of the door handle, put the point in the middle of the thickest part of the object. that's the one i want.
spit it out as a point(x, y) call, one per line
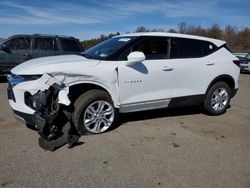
point(209, 64)
point(166, 68)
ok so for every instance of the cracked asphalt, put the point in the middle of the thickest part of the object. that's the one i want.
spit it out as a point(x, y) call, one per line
point(163, 148)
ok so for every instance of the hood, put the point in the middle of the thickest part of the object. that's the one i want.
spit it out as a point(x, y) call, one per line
point(51, 64)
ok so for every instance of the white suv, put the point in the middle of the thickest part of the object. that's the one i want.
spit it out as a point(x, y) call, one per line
point(127, 73)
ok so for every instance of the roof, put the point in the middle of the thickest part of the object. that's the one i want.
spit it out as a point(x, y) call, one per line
point(165, 34)
point(42, 35)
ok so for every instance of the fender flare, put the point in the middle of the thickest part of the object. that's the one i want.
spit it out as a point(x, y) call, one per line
point(225, 78)
point(113, 93)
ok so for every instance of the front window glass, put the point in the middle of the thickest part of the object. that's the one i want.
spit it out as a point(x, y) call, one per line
point(106, 49)
point(19, 43)
point(154, 48)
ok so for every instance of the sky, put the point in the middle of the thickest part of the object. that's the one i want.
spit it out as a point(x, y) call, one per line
point(86, 19)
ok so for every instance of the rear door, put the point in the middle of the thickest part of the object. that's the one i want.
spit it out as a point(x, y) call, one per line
point(193, 68)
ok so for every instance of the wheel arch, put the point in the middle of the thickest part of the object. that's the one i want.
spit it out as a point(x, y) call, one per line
point(76, 89)
point(224, 78)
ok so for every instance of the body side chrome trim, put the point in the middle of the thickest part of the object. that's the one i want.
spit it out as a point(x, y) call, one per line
point(142, 106)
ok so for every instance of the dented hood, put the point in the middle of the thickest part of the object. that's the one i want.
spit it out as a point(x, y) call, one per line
point(53, 64)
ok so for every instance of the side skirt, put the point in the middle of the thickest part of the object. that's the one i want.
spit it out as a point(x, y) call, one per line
point(193, 100)
point(163, 103)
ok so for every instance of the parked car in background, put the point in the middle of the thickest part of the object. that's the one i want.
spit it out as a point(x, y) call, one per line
point(19, 48)
point(247, 56)
point(244, 64)
point(240, 54)
point(127, 73)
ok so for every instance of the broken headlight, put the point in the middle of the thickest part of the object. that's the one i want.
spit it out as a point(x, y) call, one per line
point(17, 79)
point(43, 100)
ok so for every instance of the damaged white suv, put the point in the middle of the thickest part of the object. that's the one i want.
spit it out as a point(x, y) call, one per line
point(126, 73)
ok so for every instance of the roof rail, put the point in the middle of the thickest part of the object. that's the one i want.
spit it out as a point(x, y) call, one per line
point(52, 35)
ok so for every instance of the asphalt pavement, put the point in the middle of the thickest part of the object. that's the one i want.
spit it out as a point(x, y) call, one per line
point(163, 148)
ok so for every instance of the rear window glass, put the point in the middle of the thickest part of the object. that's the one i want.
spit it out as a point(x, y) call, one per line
point(208, 47)
point(189, 48)
point(70, 45)
point(43, 44)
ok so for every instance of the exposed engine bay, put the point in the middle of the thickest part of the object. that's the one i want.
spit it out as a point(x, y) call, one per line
point(50, 116)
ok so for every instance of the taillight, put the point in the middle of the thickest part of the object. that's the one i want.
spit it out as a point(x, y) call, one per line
point(237, 62)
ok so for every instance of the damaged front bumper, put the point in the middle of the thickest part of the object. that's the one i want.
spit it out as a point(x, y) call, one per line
point(37, 102)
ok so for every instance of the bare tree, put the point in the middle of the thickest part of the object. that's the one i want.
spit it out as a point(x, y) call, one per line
point(237, 40)
point(141, 29)
point(183, 28)
point(172, 31)
point(215, 32)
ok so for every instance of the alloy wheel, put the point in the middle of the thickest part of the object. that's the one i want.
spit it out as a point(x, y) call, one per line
point(98, 116)
point(219, 99)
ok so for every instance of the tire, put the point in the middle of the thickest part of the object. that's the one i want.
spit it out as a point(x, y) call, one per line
point(217, 99)
point(94, 112)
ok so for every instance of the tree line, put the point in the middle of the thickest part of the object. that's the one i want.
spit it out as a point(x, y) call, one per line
point(238, 40)
point(92, 42)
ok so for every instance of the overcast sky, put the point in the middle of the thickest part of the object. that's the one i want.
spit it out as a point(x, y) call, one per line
point(86, 19)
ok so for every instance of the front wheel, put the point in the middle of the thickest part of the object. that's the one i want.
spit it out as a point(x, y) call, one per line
point(217, 99)
point(94, 112)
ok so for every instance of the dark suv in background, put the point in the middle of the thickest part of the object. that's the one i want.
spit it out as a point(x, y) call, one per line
point(19, 48)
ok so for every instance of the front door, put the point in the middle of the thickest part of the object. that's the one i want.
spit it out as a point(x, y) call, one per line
point(147, 84)
point(19, 51)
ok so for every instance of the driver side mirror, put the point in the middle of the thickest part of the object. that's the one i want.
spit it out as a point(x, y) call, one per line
point(135, 57)
point(5, 48)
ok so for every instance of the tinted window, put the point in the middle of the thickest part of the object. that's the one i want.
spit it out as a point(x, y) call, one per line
point(44, 43)
point(153, 48)
point(174, 53)
point(56, 48)
point(70, 45)
point(19, 43)
point(208, 47)
point(189, 48)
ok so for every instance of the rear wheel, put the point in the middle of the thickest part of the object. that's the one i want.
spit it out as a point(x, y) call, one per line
point(94, 112)
point(217, 99)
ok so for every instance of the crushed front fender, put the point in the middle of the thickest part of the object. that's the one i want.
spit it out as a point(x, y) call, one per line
point(48, 97)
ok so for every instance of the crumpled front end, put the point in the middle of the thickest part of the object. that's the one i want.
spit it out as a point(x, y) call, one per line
point(40, 101)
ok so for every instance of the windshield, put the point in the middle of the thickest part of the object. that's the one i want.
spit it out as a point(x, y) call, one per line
point(106, 49)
